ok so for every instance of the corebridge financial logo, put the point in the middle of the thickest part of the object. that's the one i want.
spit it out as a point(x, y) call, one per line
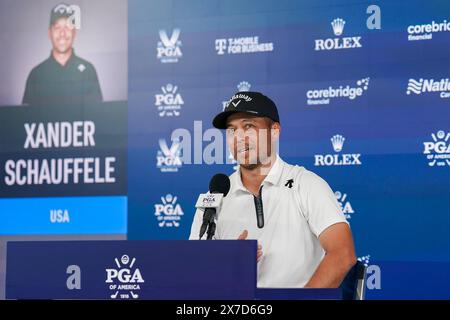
point(425, 31)
point(442, 87)
point(338, 42)
point(373, 273)
point(326, 95)
point(124, 282)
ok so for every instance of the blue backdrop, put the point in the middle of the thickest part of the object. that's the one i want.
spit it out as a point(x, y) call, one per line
point(396, 198)
point(363, 92)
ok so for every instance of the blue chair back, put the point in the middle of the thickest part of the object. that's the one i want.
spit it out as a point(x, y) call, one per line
point(354, 284)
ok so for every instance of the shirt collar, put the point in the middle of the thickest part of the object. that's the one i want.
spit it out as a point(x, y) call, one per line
point(72, 56)
point(273, 177)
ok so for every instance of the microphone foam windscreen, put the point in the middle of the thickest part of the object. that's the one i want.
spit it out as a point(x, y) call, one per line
point(220, 183)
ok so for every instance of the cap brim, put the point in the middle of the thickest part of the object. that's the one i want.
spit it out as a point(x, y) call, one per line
point(220, 121)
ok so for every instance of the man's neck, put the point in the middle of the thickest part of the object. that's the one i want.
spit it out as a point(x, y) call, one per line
point(62, 58)
point(253, 178)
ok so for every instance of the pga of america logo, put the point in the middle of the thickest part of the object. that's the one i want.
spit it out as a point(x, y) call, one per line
point(169, 159)
point(242, 45)
point(337, 159)
point(124, 280)
point(243, 86)
point(438, 150)
point(338, 25)
point(323, 96)
point(209, 199)
point(168, 212)
point(345, 204)
point(169, 102)
point(169, 49)
point(429, 86)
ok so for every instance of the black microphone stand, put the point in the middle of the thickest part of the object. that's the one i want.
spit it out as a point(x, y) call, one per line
point(211, 230)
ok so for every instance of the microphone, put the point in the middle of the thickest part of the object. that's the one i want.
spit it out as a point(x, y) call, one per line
point(210, 202)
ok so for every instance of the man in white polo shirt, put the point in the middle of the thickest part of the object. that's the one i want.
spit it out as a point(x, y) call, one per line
point(304, 239)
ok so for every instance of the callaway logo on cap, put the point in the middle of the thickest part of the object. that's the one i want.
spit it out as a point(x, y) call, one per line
point(249, 102)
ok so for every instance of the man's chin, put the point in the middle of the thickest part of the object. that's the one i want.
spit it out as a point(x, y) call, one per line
point(249, 166)
point(62, 50)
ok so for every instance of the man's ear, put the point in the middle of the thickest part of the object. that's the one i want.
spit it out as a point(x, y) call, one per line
point(275, 132)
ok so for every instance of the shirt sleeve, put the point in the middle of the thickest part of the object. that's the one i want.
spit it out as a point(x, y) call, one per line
point(28, 96)
point(92, 90)
point(96, 90)
point(196, 224)
point(318, 203)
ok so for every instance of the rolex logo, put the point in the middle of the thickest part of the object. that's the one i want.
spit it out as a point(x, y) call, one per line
point(338, 26)
point(337, 141)
point(244, 86)
point(337, 159)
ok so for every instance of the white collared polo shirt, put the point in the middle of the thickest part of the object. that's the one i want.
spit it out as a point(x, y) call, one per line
point(298, 206)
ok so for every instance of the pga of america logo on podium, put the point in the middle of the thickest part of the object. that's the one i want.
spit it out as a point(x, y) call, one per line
point(124, 280)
